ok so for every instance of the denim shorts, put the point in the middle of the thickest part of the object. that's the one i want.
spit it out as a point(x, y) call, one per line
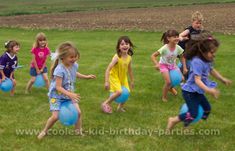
point(33, 71)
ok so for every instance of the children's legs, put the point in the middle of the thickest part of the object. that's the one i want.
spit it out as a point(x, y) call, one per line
point(172, 121)
point(120, 107)
point(29, 84)
point(205, 105)
point(113, 97)
point(166, 86)
point(78, 125)
point(192, 102)
point(13, 89)
point(50, 122)
point(45, 77)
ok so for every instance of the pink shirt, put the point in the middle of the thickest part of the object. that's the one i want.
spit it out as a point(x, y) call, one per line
point(40, 56)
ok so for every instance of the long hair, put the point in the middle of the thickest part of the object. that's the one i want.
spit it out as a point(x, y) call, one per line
point(169, 33)
point(127, 40)
point(63, 50)
point(10, 44)
point(40, 36)
point(204, 43)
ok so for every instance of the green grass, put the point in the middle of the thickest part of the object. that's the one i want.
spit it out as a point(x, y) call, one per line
point(145, 112)
point(20, 7)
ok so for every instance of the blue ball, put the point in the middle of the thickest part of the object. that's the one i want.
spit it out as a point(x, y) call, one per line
point(175, 77)
point(124, 96)
point(39, 82)
point(68, 114)
point(6, 85)
point(184, 109)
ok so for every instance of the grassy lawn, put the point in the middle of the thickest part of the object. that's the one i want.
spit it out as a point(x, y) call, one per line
point(16, 7)
point(140, 128)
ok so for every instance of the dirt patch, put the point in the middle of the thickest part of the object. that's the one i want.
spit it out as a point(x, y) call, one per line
point(218, 18)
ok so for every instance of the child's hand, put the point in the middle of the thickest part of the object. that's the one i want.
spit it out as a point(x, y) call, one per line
point(157, 66)
point(226, 81)
point(41, 70)
point(214, 92)
point(74, 96)
point(185, 71)
point(91, 76)
point(106, 85)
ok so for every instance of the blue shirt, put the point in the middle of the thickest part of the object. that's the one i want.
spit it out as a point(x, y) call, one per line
point(68, 76)
point(202, 69)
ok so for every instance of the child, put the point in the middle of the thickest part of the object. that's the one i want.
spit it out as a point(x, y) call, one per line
point(63, 75)
point(169, 53)
point(8, 62)
point(190, 32)
point(117, 71)
point(40, 52)
point(202, 52)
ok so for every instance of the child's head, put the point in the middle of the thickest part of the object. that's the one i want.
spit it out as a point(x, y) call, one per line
point(197, 19)
point(12, 46)
point(40, 40)
point(124, 44)
point(67, 53)
point(170, 35)
point(204, 47)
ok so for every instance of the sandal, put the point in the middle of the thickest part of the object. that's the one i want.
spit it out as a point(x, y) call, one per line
point(173, 91)
point(106, 108)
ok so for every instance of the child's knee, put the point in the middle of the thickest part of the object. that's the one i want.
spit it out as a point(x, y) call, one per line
point(54, 117)
point(118, 92)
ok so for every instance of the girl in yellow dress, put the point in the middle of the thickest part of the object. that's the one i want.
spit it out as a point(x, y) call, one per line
point(117, 71)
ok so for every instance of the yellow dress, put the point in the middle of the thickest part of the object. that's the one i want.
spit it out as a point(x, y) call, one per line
point(118, 74)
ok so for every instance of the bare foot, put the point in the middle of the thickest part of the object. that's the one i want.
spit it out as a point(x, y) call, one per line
point(41, 135)
point(164, 99)
point(121, 109)
point(79, 132)
point(172, 121)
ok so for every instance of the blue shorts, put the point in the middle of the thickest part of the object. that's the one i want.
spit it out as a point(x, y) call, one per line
point(55, 104)
point(33, 71)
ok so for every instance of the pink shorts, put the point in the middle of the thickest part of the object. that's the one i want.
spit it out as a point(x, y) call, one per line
point(166, 67)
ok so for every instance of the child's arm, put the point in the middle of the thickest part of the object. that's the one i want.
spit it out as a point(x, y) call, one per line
point(218, 76)
point(3, 75)
point(59, 88)
point(212, 91)
point(83, 76)
point(184, 35)
point(154, 60)
point(110, 66)
point(183, 60)
point(35, 64)
point(44, 65)
point(131, 75)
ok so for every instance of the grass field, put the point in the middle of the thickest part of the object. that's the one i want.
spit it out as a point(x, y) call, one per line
point(140, 128)
point(16, 7)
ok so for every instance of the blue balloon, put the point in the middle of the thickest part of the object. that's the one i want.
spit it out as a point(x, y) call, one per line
point(124, 96)
point(39, 82)
point(68, 114)
point(175, 77)
point(6, 85)
point(184, 109)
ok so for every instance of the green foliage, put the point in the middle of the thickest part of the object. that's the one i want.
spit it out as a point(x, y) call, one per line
point(20, 7)
point(120, 131)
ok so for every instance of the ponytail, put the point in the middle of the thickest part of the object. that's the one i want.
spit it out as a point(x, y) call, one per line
point(54, 65)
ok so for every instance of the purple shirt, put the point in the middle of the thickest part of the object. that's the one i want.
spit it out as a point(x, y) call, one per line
point(199, 68)
point(40, 56)
point(8, 64)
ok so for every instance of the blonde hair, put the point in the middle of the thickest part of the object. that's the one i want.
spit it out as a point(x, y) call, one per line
point(40, 36)
point(64, 50)
point(197, 16)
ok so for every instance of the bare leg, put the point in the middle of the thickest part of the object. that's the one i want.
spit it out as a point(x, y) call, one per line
point(112, 97)
point(172, 121)
point(50, 122)
point(45, 77)
point(166, 86)
point(30, 84)
point(78, 125)
point(13, 89)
